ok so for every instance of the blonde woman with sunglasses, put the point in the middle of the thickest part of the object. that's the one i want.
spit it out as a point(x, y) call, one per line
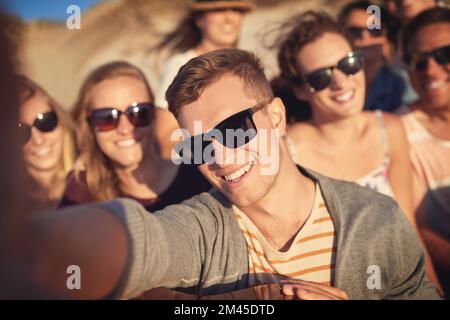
point(48, 152)
point(115, 117)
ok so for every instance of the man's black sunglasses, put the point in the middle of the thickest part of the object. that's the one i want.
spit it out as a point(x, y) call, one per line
point(233, 132)
point(106, 119)
point(355, 33)
point(419, 61)
point(44, 122)
point(321, 78)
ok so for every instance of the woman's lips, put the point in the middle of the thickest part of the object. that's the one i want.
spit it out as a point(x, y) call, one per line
point(126, 143)
point(345, 97)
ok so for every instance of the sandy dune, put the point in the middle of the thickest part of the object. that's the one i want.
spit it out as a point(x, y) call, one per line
point(59, 58)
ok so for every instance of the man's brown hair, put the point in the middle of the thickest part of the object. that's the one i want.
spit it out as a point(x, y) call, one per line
point(201, 72)
point(428, 17)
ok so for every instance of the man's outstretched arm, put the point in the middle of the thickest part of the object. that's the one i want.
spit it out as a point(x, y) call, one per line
point(89, 237)
point(123, 250)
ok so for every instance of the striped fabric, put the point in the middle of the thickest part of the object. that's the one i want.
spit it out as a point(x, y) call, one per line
point(311, 256)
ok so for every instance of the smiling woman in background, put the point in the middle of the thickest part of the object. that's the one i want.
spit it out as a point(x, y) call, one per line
point(47, 145)
point(340, 140)
point(115, 116)
point(210, 25)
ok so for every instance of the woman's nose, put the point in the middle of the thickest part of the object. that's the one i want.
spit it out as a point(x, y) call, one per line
point(125, 126)
point(37, 136)
point(338, 79)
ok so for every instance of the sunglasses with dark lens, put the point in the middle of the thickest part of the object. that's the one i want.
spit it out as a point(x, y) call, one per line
point(233, 132)
point(321, 78)
point(419, 61)
point(106, 119)
point(44, 122)
point(356, 33)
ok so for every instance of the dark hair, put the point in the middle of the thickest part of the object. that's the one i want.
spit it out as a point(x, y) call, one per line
point(185, 36)
point(291, 37)
point(425, 18)
point(304, 28)
point(388, 21)
point(201, 72)
point(296, 110)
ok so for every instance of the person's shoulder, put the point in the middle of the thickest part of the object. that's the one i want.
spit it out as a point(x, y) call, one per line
point(396, 131)
point(204, 207)
point(212, 201)
point(77, 178)
point(300, 131)
point(391, 122)
point(375, 215)
point(199, 208)
point(77, 190)
point(360, 202)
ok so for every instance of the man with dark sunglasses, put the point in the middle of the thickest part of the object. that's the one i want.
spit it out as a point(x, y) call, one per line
point(319, 238)
point(387, 86)
point(426, 44)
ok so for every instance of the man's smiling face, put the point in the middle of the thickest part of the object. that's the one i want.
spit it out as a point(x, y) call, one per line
point(433, 82)
point(237, 173)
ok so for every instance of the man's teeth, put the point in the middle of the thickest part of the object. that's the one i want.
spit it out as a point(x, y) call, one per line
point(42, 152)
point(345, 97)
point(126, 143)
point(235, 176)
point(436, 84)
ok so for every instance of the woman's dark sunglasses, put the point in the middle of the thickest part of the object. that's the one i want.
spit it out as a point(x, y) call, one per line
point(419, 61)
point(106, 119)
point(356, 33)
point(44, 122)
point(233, 132)
point(321, 78)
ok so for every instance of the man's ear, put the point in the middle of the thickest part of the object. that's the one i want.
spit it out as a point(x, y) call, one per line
point(277, 115)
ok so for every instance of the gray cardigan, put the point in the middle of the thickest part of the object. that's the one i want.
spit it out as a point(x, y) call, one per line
point(197, 246)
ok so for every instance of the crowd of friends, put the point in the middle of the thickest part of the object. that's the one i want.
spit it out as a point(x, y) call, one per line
point(353, 104)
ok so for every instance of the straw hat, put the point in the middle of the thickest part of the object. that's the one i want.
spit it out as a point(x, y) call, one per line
point(202, 5)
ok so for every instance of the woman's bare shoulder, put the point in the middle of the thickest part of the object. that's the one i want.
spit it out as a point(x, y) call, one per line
point(300, 130)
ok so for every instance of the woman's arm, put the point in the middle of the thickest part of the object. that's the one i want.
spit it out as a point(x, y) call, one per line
point(402, 180)
point(400, 170)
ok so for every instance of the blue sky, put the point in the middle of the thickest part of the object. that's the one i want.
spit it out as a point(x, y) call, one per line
point(45, 9)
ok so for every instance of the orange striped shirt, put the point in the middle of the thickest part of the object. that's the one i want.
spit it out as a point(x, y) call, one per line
point(311, 256)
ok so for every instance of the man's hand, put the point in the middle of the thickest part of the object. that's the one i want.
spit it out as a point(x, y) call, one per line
point(307, 290)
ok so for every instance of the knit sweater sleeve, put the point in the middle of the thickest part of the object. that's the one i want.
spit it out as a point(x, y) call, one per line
point(188, 245)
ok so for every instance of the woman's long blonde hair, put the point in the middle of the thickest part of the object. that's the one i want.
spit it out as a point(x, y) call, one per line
point(102, 181)
point(27, 90)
